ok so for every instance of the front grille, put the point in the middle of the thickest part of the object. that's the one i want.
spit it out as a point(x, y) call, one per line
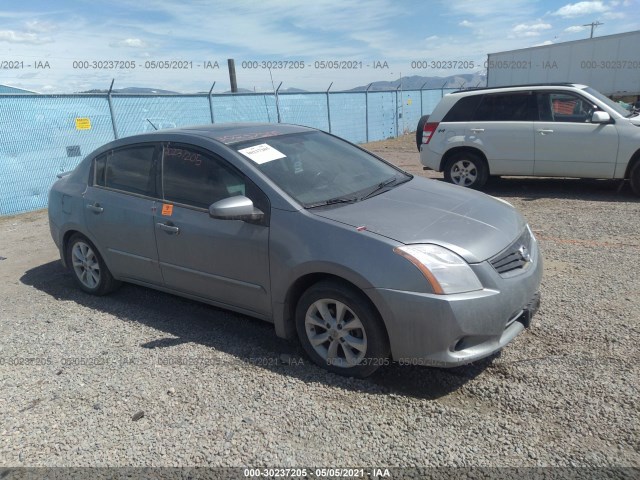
point(515, 257)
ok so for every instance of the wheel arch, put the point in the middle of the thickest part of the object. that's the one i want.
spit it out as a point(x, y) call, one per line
point(65, 242)
point(453, 151)
point(285, 320)
point(635, 158)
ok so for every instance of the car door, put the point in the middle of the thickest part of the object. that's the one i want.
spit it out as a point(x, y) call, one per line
point(118, 211)
point(225, 261)
point(502, 126)
point(567, 144)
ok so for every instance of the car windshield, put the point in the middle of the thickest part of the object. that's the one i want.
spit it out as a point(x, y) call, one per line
point(317, 169)
point(610, 103)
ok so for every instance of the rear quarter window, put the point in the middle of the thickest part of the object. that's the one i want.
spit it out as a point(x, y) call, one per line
point(463, 110)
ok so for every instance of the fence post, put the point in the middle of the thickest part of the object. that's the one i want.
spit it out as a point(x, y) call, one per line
point(421, 109)
point(113, 118)
point(211, 103)
point(396, 109)
point(366, 110)
point(278, 103)
point(329, 107)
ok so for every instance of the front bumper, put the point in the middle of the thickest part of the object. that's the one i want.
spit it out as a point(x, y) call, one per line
point(453, 330)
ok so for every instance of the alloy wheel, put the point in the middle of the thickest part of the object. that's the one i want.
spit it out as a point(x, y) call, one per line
point(335, 333)
point(85, 264)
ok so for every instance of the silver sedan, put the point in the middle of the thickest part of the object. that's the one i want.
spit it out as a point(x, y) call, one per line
point(360, 261)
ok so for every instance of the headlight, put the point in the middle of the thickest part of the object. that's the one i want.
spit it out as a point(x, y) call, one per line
point(443, 269)
point(533, 237)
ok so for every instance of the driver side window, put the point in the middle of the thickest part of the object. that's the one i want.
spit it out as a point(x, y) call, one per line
point(197, 178)
point(566, 107)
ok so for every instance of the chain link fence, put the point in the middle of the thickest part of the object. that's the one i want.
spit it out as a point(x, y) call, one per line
point(43, 135)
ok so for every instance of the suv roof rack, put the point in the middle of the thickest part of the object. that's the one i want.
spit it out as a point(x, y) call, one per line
point(551, 84)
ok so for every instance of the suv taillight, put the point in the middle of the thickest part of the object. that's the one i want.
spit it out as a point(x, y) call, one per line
point(428, 131)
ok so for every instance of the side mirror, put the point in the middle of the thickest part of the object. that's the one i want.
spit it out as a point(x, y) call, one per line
point(238, 207)
point(600, 117)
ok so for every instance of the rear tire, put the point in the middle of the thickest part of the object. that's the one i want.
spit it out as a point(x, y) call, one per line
point(88, 268)
point(634, 178)
point(466, 169)
point(340, 330)
point(419, 130)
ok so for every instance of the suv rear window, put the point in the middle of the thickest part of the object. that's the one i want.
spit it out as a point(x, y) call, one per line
point(463, 109)
point(521, 106)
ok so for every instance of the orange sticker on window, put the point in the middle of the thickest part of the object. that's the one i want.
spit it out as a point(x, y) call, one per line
point(167, 209)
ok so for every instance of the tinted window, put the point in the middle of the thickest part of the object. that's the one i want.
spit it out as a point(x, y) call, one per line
point(99, 168)
point(129, 169)
point(463, 110)
point(507, 107)
point(197, 178)
point(566, 107)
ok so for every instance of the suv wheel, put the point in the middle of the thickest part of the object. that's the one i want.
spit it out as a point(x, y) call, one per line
point(340, 330)
point(634, 176)
point(466, 169)
point(419, 130)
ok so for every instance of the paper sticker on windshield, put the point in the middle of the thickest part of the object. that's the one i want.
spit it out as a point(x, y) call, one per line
point(262, 153)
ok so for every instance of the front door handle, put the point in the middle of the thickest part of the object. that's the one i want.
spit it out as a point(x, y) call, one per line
point(544, 131)
point(477, 130)
point(172, 229)
point(95, 208)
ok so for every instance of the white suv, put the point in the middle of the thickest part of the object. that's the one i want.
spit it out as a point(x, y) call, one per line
point(551, 130)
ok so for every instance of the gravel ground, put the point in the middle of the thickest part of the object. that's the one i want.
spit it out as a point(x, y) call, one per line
point(142, 378)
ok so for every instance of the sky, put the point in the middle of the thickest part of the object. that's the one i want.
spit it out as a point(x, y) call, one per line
point(67, 46)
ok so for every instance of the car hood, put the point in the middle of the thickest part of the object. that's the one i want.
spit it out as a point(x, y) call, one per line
point(474, 225)
point(635, 120)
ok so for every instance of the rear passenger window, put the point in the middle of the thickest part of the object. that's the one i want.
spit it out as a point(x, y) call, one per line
point(463, 110)
point(197, 178)
point(512, 107)
point(129, 169)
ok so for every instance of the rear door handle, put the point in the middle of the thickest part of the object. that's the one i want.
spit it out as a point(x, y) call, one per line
point(95, 208)
point(168, 228)
point(477, 130)
point(544, 131)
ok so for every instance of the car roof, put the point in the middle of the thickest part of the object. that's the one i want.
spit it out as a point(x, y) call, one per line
point(230, 133)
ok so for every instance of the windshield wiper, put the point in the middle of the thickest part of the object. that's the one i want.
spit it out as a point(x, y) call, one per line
point(379, 187)
point(332, 201)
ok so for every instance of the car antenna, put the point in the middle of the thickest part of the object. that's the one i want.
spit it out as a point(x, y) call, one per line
point(154, 127)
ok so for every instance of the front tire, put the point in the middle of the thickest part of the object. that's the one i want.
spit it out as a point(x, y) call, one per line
point(466, 169)
point(88, 268)
point(634, 178)
point(340, 330)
